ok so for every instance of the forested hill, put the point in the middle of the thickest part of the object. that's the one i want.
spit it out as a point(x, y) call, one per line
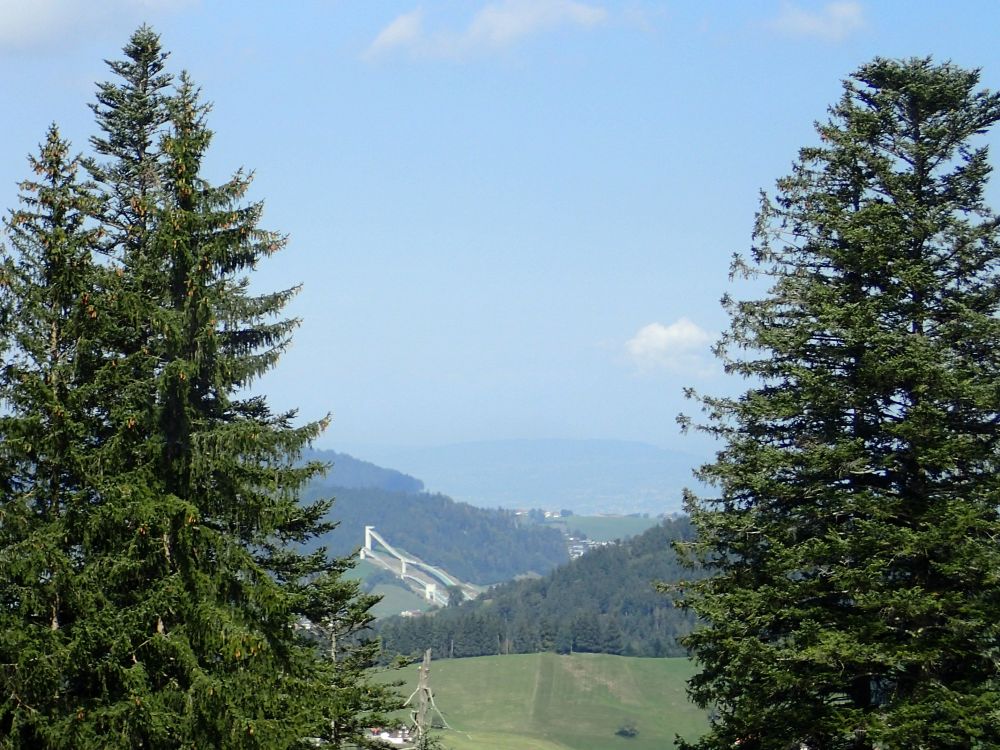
point(604, 602)
point(479, 545)
point(348, 471)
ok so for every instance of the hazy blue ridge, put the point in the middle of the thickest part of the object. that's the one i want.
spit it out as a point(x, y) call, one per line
point(586, 476)
point(348, 471)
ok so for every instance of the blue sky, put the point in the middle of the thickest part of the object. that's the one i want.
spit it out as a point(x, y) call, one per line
point(512, 218)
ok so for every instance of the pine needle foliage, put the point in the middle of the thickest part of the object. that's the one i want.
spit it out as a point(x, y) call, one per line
point(856, 596)
point(153, 589)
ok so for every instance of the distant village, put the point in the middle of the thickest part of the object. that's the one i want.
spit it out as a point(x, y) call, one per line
point(575, 545)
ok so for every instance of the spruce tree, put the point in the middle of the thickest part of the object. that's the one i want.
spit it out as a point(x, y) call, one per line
point(131, 114)
point(856, 595)
point(50, 354)
point(198, 610)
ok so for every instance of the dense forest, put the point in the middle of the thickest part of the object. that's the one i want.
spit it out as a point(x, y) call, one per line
point(479, 545)
point(602, 602)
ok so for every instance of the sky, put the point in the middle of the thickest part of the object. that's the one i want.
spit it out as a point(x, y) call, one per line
point(510, 218)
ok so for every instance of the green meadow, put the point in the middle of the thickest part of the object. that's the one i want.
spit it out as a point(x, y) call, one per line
point(605, 528)
point(552, 702)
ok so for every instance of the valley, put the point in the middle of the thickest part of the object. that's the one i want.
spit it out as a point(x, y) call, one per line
point(531, 650)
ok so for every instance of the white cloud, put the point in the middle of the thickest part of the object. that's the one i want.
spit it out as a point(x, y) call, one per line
point(681, 346)
point(496, 26)
point(834, 21)
point(504, 23)
point(404, 31)
point(29, 24)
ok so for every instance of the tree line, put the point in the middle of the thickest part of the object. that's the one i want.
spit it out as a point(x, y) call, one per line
point(602, 602)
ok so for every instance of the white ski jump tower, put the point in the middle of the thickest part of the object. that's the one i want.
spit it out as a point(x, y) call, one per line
point(424, 572)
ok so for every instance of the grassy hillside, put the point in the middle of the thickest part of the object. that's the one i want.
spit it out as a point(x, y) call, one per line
point(550, 702)
point(395, 597)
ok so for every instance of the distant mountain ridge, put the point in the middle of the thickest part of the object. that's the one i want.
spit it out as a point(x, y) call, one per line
point(480, 545)
point(348, 471)
point(586, 476)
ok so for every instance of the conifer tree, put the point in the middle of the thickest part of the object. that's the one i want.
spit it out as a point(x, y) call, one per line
point(128, 167)
point(131, 114)
point(856, 600)
point(201, 608)
point(50, 355)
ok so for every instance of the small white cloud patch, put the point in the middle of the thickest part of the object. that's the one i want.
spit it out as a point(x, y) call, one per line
point(834, 22)
point(504, 23)
point(405, 30)
point(494, 27)
point(681, 346)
